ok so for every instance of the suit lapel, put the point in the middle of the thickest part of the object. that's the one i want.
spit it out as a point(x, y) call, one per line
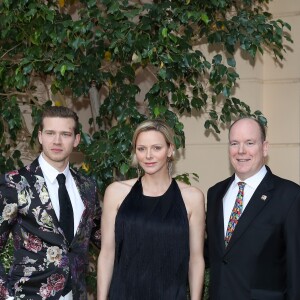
point(219, 217)
point(81, 186)
point(43, 205)
point(258, 201)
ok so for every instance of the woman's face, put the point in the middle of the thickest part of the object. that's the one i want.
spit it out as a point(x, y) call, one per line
point(152, 151)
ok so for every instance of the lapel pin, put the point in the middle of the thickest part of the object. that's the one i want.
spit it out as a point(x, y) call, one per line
point(263, 197)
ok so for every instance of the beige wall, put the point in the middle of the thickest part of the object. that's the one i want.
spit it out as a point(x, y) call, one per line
point(273, 89)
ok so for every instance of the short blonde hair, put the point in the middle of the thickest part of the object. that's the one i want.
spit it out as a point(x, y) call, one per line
point(156, 125)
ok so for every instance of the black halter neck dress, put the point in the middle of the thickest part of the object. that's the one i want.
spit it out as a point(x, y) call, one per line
point(152, 247)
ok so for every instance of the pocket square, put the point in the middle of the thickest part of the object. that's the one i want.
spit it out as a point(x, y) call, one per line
point(263, 197)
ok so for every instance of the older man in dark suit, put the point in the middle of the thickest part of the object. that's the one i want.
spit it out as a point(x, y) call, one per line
point(53, 213)
point(253, 222)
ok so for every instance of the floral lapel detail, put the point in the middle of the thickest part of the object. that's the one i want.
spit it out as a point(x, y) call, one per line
point(84, 189)
point(37, 196)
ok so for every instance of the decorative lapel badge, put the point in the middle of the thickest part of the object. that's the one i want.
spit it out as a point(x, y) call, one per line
point(263, 197)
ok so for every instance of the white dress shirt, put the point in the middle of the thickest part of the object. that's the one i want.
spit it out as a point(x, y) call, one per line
point(229, 199)
point(50, 174)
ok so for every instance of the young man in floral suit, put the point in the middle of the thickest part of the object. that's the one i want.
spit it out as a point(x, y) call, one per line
point(47, 263)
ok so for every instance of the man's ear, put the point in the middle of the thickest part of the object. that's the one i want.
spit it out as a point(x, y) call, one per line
point(40, 136)
point(265, 148)
point(77, 140)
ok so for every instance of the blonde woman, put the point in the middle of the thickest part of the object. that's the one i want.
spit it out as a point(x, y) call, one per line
point(152, 227)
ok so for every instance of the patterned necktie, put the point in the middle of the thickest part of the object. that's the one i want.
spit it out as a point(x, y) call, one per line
point(66, 219)
point(236, 213)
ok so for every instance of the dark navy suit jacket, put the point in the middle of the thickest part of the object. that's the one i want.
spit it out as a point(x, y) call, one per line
point(262, 259)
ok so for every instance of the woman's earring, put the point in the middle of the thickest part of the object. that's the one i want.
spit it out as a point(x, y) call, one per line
point(139, 171)
point(170, 167)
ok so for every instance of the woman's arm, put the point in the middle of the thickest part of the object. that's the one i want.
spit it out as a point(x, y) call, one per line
point(197, 233)
point(107, 253)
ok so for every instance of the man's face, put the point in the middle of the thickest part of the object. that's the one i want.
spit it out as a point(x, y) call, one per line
point(58, 140)
point(247, 151)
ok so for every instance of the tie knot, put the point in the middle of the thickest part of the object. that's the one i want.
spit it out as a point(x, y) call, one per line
point(241, 185)
point(61, 178)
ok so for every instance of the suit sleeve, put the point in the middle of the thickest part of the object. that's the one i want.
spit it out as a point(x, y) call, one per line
point(292, 237)
point(96, 230)
point(8, 216)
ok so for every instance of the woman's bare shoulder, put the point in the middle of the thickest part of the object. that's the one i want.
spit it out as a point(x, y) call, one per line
point(192, 196)
point(119, 189)
point(189, 189)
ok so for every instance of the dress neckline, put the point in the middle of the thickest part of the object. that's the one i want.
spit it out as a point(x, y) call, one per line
point(155, 197)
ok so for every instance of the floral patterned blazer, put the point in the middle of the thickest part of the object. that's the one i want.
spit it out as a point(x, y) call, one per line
point(43, 259)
